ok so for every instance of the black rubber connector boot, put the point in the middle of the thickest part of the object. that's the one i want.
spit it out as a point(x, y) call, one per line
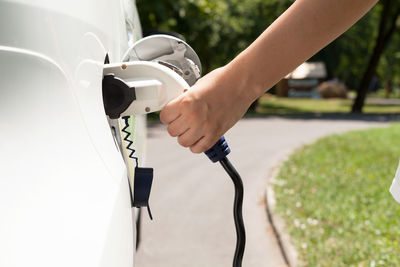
point(219, 151)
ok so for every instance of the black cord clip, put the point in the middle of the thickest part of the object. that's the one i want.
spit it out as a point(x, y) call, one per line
point(142, 188)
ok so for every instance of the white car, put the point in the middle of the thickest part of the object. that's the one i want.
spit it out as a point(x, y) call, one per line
point(64, 192)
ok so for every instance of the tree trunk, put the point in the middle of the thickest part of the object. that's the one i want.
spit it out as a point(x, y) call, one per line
point(388, 88)
point(380, 44)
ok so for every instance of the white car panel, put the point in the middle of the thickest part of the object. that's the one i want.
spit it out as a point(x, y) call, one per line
point(64, 195)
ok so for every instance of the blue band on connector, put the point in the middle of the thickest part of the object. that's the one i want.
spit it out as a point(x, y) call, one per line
point(219, 151)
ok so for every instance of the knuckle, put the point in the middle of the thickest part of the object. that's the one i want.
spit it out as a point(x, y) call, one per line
point(206, 147)
point(190, 104)
point(171, 131)
point(164, 116)
point(183, 142)
point(186, 103)
point(162, 119)
point(194, 109)
point(195, 149)
point(187, 100)
point(200, 148)
point(197, 118)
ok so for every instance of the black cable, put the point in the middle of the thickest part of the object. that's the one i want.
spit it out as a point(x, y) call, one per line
point(126, 139)
point(218, 153)
point(237, 211)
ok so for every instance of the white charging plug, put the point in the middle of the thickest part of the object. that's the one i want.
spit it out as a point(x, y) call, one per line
point(139, 87)
point(154, 71)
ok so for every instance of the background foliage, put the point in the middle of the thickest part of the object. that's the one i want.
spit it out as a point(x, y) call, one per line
point(218, 30)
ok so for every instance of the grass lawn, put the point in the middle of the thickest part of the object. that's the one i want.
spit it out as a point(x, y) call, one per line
point(334, 196)
point(271, 105)
point(381, 93)
point(288, 106)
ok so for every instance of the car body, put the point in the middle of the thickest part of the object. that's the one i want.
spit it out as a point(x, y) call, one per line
point(64, 189)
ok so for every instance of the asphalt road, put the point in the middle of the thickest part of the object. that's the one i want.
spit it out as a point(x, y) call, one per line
point(192, 198)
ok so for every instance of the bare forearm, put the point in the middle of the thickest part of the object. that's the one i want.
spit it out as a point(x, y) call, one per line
point(305, 28)
point(218, 100)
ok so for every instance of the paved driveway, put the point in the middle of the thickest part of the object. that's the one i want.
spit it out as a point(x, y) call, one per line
point(192, 198)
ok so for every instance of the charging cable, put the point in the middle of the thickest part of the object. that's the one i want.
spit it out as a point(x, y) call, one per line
point(218, 153)
point(128, 90)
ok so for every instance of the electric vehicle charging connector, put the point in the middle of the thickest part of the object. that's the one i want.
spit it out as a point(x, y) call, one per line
point(164, 67)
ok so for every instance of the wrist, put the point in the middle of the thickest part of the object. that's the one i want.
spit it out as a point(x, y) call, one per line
point(242, 77)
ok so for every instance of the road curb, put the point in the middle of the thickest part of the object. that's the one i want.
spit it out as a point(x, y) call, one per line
point(289, 252)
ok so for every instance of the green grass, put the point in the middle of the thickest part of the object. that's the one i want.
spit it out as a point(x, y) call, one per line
point(289, 106)
point(334, 196)
point(381, 93)
point(271, 105)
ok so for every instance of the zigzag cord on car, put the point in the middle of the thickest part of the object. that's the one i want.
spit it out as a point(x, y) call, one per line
point(126, 138)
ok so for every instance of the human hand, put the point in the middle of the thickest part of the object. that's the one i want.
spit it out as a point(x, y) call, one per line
point(200, 116)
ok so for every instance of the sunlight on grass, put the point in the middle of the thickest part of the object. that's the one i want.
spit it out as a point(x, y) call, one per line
point(289, 106)
point(334, 196)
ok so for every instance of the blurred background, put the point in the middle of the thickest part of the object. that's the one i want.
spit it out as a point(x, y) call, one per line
point(333, 193)
point(360, 67)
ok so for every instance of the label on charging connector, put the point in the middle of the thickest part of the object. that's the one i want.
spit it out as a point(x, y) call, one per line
point(395, 187)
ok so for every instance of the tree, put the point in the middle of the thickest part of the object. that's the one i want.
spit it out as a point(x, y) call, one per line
point(389, 65)
point(387, 27)
point(345, 57)
point(217, 30)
